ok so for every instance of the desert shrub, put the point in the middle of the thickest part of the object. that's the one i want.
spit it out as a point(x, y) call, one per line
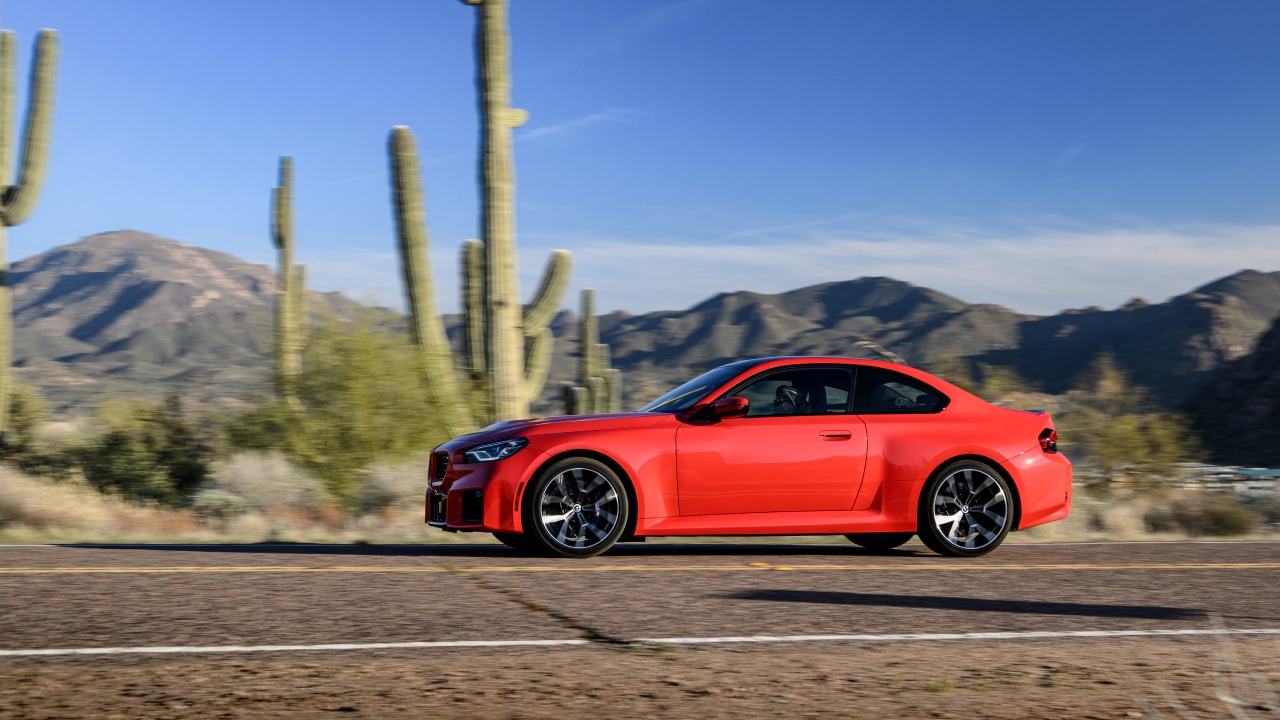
point(268, 480)
point(1113, 425)
point(219, 505)
point(148, 451)
point(394, 484)
point(362, 402)
point(41, 509)
point(1202, 513)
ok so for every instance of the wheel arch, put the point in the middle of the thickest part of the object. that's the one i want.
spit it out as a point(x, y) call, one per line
point(628, 483)
point(994, 465)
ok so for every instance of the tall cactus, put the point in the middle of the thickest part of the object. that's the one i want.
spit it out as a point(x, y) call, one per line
point(504, 341)
point(444, 397)
point(291, 319)
point(599, 387)
point(445, 392)
point(508, 351)
point(19, 199)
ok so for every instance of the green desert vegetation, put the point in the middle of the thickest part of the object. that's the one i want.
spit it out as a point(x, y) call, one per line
point(352, 465)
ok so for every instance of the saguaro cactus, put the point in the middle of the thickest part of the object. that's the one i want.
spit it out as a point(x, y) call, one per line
point(19, 199)
point(504, 341)
point(291, 289)
point(508, 351)
point(444, 389)
point(599, 387)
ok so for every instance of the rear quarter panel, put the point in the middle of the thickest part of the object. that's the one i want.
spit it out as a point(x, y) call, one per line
point(907, 448)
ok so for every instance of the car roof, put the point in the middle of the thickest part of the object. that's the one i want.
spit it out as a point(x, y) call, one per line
point(768, 363)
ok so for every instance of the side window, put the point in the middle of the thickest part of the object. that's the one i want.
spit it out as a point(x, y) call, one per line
point(806, 391)
point(884, 391)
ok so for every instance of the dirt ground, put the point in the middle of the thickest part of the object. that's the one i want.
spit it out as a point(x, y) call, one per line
point(99, 597)
point(1042, 679)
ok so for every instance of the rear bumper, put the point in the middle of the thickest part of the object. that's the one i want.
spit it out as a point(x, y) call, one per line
point(1044, 486)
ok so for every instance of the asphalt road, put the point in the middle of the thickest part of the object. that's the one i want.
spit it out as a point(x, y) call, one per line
point(712, 630)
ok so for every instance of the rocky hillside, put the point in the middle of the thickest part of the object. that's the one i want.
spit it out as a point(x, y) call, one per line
point(1171, 347)
point(130, 313)
point(1237, 413)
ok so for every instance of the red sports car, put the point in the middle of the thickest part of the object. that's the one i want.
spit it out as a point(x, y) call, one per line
point(776, 446)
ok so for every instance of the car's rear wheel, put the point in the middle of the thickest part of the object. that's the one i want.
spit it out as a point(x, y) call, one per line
point(880, 541)
point(577, 508)
point(966, 510)
point(515, 541)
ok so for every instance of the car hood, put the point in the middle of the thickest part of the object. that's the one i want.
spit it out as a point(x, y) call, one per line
point(560, 424)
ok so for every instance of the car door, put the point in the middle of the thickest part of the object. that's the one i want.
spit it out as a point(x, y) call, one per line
point(798, 448)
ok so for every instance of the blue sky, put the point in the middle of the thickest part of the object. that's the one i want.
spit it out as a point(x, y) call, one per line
point(1040, 155)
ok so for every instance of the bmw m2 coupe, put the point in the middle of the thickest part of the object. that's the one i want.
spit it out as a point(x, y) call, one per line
point(776, 446)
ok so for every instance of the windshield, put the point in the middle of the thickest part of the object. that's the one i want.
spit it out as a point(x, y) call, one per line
point(690, 393)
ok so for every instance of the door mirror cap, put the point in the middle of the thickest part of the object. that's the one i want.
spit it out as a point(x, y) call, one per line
point(729, 407)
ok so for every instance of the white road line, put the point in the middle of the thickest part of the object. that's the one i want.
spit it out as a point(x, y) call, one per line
point(287, 648)
point(909, 637)
point(899, 637)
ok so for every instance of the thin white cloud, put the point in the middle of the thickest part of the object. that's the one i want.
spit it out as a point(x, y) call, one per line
point(1037, 270)
point(611, 115)
point(1030, 268)
point(1071, 153)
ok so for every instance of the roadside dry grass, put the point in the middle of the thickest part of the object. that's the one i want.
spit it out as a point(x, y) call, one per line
point(260, 497)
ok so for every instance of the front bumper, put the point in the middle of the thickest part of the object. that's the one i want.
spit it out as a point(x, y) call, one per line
point(478, 497)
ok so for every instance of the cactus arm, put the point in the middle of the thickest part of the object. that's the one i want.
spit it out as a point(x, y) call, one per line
point(588, 339)
point(288, 346)
point(302, 309)
point(538, 313)
point(282, 207)
point(6, 337)
point(596, 391)
point(575, 399)
point(537, 363)
point(443, 394)
point(20, 198)
point(8, 88)
point(614, 378)
point(473, 305)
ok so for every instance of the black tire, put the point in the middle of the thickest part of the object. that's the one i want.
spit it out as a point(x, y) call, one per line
point(966, 510)
point(516, 541)
point(576, 508)
point(880, 541)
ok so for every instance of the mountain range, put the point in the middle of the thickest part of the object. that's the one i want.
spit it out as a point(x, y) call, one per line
point(127, 312)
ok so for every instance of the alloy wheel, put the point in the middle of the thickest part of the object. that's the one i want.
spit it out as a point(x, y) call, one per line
point(579, 509)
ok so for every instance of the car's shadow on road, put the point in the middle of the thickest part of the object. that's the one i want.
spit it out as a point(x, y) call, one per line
point(934, 602)
point(486, 550)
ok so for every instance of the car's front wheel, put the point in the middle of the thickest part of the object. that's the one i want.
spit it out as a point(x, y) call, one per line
point(880, 541)
point(966, 510)
point(577, 508)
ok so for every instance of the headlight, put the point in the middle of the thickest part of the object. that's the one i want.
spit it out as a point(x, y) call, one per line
point(490, 452)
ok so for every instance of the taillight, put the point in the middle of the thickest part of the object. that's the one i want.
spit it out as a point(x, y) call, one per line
point(1049, 440)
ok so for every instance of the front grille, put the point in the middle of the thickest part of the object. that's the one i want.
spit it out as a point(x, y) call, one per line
point(436, 504)
point(441, 465)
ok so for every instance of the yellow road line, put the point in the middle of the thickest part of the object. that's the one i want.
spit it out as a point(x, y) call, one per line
point(572, 567)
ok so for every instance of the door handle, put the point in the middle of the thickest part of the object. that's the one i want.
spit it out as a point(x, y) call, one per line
point(835, 434)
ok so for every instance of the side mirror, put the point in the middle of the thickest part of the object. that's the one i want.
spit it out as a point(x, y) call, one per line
point(730, 407)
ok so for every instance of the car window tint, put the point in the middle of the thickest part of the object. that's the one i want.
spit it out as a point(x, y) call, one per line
point(884, 391)
point(810, 391)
